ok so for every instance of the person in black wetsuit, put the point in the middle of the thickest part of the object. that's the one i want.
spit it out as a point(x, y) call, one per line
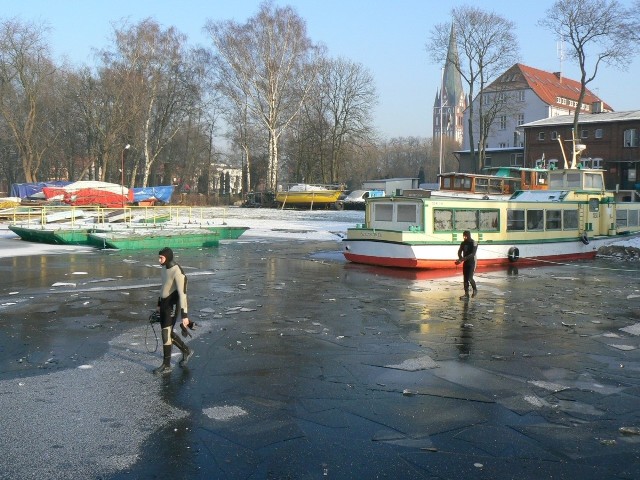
point(467, 256)
point(171, 303)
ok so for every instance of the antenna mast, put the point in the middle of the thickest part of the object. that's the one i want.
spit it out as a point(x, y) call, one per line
point(560, 53)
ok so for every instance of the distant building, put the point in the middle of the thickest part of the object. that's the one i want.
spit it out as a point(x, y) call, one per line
point(533, 95)
point(450, 102)
point(391, 186)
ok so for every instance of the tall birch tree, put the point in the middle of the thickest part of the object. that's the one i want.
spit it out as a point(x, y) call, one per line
point(267, 65)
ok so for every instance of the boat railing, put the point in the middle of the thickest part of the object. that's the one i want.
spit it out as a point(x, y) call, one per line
point(86, 215)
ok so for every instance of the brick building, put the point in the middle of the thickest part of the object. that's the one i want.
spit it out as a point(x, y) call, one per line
point(611, 140)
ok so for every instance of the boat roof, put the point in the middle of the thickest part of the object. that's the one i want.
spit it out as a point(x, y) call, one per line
point(539, 195)
point(477, 175)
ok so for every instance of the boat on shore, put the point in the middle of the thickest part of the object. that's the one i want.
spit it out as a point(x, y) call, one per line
point(302, 195)
point(160, 237)
point(568, 221)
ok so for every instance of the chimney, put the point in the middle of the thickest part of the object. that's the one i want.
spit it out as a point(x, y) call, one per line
point(558, 75)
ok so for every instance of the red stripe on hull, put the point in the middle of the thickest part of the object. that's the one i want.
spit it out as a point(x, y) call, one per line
point(425, 264)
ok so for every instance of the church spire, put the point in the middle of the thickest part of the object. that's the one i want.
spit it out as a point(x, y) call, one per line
point(450, 98)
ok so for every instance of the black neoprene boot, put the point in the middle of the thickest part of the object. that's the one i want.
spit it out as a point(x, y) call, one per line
point(187, 353)
point(166, 361)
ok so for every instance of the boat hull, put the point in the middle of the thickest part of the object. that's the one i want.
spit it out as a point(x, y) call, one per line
point(226, 232)
point(143, 239)
point(37, 235)
point(306, 198)
point(443, 255)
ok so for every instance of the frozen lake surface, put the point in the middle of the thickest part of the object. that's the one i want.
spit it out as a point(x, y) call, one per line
point(307, 366)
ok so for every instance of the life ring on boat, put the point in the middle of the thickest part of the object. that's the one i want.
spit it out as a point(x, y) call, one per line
point(584, 239)
point(514, 254)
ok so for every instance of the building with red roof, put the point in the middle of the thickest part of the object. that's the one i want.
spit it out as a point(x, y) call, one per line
point(531, 94)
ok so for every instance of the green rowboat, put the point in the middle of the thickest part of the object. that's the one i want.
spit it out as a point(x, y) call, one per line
point(159, 238)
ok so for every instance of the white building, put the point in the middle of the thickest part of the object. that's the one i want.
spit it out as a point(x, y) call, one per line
point(532, 95)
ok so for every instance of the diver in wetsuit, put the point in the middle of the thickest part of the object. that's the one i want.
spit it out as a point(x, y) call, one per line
point(171, 302)
point(467, 256)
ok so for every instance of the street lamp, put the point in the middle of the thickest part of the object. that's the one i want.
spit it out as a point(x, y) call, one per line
point(126, 147)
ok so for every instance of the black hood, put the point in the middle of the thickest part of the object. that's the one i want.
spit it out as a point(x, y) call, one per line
point(167, 253)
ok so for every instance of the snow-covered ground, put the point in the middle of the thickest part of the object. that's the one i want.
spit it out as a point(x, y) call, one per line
point(311, 225)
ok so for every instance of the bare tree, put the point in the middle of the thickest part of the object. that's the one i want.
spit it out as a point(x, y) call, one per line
point(161, 86)
point(350, 97)
point(26, 81)
point(266, 61)
point(487, 46)
point(599, 32)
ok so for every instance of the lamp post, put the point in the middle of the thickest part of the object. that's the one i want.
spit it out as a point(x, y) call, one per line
point(126, 147)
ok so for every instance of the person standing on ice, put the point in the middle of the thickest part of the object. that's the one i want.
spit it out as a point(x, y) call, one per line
point(467, 256)
point(171, 302)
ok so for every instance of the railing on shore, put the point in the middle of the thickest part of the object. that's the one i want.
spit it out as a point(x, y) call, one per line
point(75, 215)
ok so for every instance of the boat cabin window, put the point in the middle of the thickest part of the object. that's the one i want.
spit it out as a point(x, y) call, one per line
point(515, 220)
point(482, 185)
point(488, 220)
point(541, 219)
point(442, 220)
point(553, 220)
point(594, 205)
point(593, 180)
point(627, 217)
point(570, 219)
point(446, 183)
point(573, 180)
point(535, 219)
point(462, 183)
point(556, 181)
point(407, 213)
point(445, 220)
point(383, 212)
point(497, 186)
point(465, 220)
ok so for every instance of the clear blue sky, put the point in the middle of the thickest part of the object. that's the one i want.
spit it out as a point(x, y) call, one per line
point(387, 37)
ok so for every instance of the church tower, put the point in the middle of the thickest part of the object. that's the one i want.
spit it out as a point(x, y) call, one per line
point(450, 102)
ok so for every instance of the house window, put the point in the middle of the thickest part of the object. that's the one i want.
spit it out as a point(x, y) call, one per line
point(487, 161)
point(584, 133)
point(631, 137)
point(599, 133)
point(517, 159)
point(554, 135)
point(503, 122)
point(540, 135)
point(520, 96)
point(520, 118)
